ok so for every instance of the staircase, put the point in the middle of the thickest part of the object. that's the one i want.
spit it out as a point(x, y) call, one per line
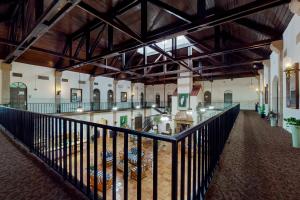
point(147, 124)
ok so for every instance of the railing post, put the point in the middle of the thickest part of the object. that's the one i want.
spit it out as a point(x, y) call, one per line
point(174, 169)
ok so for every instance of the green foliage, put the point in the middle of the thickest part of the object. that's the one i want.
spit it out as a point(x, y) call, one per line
point(157, 119)
point(262, 109)
point(292, 121)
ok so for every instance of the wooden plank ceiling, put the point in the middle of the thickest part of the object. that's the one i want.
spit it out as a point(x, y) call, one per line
point(229, 38)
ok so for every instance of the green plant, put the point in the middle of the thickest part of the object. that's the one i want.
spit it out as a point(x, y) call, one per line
point(157, 119)
point(262, 109)
point(292, 121)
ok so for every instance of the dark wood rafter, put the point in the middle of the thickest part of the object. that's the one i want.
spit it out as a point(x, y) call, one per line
point(106, 36)
point(228, 16)
point(53, 14)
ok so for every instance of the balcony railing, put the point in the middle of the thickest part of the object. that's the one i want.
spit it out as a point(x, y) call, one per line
point(97, 159)
point(51, 108)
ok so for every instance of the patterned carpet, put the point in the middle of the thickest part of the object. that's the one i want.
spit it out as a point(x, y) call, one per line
point(258, 163)
point(22, 177)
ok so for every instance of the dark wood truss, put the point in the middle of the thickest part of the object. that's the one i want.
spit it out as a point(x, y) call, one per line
point(101, 38)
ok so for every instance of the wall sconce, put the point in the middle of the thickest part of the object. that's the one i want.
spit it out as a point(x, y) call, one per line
point(58, 92)
point(287, 62)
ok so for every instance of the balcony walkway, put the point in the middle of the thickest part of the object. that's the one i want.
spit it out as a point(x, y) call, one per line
point(23, 177)
point(257, 163)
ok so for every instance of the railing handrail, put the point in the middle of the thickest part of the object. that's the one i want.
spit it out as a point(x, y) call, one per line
point(190, 130)
point(166, 138)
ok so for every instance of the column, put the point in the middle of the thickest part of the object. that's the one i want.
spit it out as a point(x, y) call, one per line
point(295, 7)
point(261, 86)
point(58, 76)
point(132, 104)
point(184, 85)
point(277, 47)
point(267, 83)
point(115, 101)
point(5, 82)
point(92, 80)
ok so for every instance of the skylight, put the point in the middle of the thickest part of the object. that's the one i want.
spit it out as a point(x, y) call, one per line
point(166, 45)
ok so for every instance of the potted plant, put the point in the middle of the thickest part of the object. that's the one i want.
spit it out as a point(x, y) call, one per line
point(273, 118)
point(262, 111)
point(295, 126)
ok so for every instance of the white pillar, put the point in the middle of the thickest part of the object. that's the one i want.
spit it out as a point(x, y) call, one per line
point(277, 47)
point(261, 86)
point(92, 80)
point(295, 7)
point(115, 100)
point(5, 83)
point(267, 72)
point(184, 85)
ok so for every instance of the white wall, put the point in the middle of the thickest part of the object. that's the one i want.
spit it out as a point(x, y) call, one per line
point(293, 52)
point(73, 82)
point(104, 84)
point(152, 90)
point(243, 91)
point(38, 91)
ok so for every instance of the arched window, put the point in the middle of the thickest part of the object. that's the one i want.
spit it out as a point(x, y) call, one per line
point(110, 98)
point(157, 100)
point(228, 97)
point(207, 98)
point(96, 99)
point(18, 95)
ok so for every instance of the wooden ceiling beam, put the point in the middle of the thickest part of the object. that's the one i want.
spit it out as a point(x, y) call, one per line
point(258, 27)
point(52, 15)
point(197, 25)
point(173, 11)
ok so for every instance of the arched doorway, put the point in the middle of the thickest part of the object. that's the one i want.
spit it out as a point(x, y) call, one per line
point(227, 97)
point(110, 99)
point(96, 99)
point(18, 95)
point(157, 100)
point(207, 98)
point(274, 97)
point(142, 99)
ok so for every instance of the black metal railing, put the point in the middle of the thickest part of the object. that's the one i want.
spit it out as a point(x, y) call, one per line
point(85, 154)
point(51, 108)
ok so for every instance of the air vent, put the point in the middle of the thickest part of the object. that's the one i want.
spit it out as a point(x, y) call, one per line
point(81, 82)
point(43, 77)
point(64, 80)
point(17, 74)
point(95, 83)
point(284, 53)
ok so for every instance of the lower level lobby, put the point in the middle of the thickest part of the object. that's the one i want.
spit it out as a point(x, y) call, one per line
point(269, 172)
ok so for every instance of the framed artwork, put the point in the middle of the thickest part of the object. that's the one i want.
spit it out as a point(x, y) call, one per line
point(123, 96)
point(76, 95)
point(183, 101)
point(123, 121)
point(292, 86)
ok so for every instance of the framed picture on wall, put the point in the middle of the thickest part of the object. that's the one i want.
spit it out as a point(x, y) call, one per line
point(123, 121)
point(123, 96)
point(292, 86)
point(76, 95)
point(183, 101)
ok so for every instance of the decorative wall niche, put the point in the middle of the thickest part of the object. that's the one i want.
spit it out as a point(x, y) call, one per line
point(292, 86)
